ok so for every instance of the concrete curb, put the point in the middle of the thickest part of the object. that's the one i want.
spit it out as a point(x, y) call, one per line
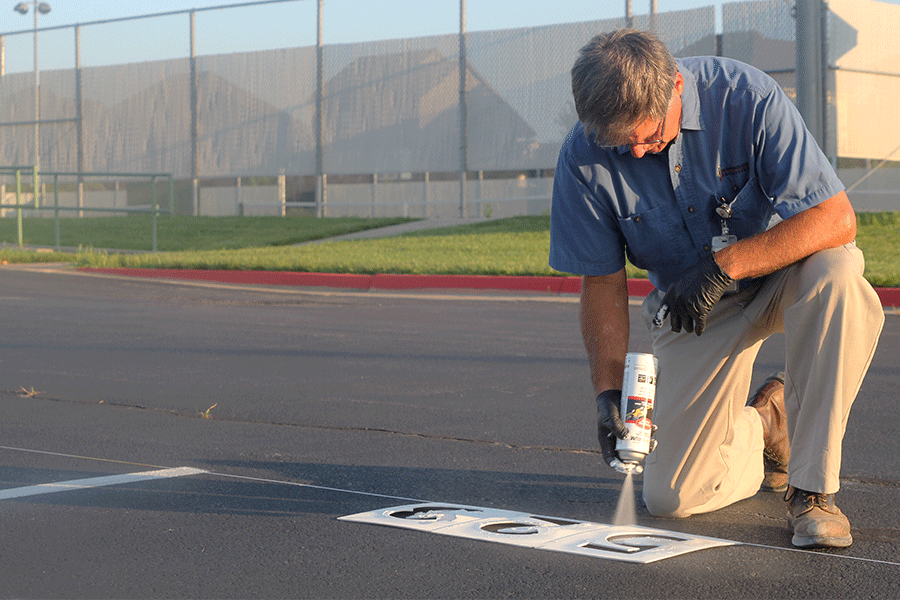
point(890, 297)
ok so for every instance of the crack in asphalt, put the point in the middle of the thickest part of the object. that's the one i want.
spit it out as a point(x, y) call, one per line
point(199, 414)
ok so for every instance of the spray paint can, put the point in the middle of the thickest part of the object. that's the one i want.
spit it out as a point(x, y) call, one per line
point(638, 394)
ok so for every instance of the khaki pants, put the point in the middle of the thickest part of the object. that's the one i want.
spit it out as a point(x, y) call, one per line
point(710, 444)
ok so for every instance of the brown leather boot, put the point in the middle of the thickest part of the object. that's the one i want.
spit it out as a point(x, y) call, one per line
point(768, 400)
point(816, 521)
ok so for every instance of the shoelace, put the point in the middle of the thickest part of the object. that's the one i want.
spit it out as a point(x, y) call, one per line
point(808, 499)
point(773, 458)
point(815, 500)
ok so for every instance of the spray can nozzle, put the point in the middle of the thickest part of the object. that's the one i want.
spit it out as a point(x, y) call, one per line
point(626, 468)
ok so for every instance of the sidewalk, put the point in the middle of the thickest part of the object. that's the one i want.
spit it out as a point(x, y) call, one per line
point(392, 230)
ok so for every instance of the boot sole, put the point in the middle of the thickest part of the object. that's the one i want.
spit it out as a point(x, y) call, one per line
point(769, 488)
point(821, 542)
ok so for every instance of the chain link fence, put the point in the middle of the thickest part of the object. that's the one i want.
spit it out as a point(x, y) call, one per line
point(467, 123)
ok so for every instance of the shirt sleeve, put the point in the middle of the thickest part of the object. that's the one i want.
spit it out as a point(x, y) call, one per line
point(584, 235)
point(792, 168)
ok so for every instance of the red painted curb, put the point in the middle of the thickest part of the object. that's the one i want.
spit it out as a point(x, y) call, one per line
point(386, 281)
point(889, 296)
point(382, 281)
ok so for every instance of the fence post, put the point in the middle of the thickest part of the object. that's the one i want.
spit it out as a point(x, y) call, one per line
point(374, 186)
point(34, 178)
point(282, 193)
point(56, 208)
point(463, 111)
point(480, 192)
point(171, 195)
point(19, 204)
point(238, 204)
point(195, 117)
point(321, 178)
point(79, 123)
point(154, 210)
point(425, 183)
point(810, 66)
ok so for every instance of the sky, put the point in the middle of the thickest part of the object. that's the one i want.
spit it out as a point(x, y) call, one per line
point(277, 25)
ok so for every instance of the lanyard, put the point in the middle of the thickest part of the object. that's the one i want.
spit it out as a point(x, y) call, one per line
point(725, 212)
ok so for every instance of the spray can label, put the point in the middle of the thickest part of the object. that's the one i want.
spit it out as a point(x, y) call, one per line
point(638, 395)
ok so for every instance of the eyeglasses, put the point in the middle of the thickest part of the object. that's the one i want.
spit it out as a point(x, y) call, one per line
point(658, 134)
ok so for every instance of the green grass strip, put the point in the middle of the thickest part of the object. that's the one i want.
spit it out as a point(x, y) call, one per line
point(515, 246)
point(184, 233)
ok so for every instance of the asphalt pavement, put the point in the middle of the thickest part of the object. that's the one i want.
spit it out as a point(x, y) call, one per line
point(167, 438)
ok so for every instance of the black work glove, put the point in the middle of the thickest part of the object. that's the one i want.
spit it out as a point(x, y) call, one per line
point(610, 427)
point(609, 424)
point(692, 296)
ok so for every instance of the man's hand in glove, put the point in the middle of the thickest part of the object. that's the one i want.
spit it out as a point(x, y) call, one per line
point(610, 427)
point(609, 424)
point(692, 296)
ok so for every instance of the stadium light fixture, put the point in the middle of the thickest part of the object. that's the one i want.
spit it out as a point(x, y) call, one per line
point(41, 7)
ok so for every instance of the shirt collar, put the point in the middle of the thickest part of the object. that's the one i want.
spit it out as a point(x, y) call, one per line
point(690, 102)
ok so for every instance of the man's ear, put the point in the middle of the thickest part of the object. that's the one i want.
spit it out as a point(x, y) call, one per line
point(679, 82)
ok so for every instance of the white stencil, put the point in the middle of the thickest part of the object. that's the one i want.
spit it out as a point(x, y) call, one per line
point(629, 543)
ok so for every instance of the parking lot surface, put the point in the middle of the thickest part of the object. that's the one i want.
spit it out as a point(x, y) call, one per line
point(163, 439)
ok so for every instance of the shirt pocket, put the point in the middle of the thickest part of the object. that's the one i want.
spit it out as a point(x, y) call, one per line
point(651, 240)
point(752, 210)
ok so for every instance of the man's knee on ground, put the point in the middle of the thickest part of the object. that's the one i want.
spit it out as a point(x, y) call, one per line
point(665, 502)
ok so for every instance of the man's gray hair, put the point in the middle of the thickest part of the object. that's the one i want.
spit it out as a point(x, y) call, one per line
point(619, 80)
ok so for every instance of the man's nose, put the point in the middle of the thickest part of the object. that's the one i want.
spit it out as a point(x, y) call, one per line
point(638, 151)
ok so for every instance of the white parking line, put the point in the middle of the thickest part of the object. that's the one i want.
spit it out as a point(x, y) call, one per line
point(93, 482)
point(183, 471)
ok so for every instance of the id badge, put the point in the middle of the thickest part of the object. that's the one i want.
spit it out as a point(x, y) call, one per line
point(723, 241)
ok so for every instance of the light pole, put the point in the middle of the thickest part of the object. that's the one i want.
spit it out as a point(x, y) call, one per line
point(42, 8)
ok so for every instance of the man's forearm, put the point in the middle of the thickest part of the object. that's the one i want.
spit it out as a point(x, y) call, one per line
point(605, 327)
point(827, 225)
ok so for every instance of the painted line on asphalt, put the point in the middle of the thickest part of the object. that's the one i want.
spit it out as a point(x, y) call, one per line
point(95, 482)
point(182, 471)
point(314, 487)
point(824, 552)
point(375, 495)
point(91, 458)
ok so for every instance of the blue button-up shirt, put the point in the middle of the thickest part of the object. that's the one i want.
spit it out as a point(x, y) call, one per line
point(742, 141)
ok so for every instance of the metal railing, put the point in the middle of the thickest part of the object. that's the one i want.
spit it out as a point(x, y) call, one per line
point(153, 210)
